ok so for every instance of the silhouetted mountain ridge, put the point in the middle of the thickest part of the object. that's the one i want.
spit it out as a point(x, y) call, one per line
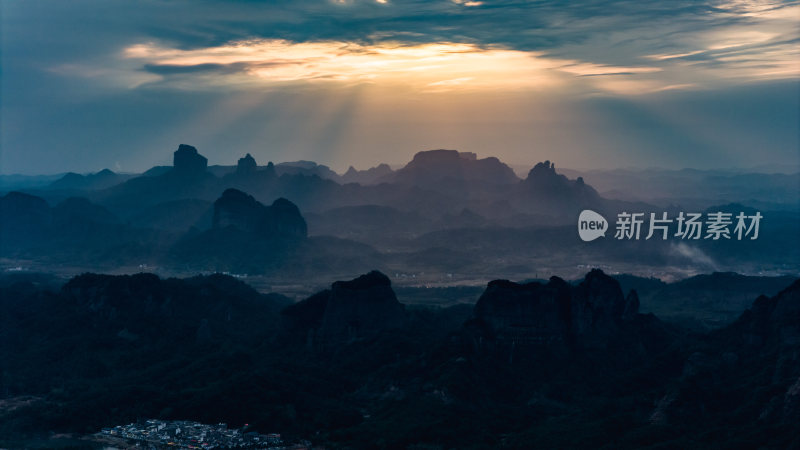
point(107, 349)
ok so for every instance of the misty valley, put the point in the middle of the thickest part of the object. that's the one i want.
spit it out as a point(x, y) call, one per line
point(451, 302)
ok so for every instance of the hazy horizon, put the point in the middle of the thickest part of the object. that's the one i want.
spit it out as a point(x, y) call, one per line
point(89, 85)
point(520, 168)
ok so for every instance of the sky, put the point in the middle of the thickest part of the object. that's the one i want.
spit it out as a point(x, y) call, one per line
point(87, 85)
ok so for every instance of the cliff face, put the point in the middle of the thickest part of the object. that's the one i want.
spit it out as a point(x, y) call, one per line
point(773, 321)
point(530, 313)
point(597, 309)
point(186, 161)
point(246, 165)
point(750, 369)
point(361, 307)
point(348, 312)
point(592, 314)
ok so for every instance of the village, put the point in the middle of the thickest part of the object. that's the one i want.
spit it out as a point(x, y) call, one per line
point(160, 434)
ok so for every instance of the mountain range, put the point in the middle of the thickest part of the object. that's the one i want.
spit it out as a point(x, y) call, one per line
point(448, 215)
point(543, 363)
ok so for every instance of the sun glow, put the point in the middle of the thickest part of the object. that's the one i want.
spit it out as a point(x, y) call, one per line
point(737, 53)
point(437, 65)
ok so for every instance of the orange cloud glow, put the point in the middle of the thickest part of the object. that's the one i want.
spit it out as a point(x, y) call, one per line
point(436, 64)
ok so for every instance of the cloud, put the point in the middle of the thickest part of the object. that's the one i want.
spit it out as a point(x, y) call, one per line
point(673, 83)
point(175, 69)
point(467, 3)
point(270, 62)
point(628, 48)
point(445, 66)
point(693, 254)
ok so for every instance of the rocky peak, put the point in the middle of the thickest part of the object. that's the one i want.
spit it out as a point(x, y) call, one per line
point(544, 175)
point(186, 160)
point(347, 312)
point(240, 210)
point(531, 313)
point(557, 314)
point(284, 218)
point(270, 169)
point(246, 165)
point(544, 168)
point(547, 189)
point(770, 321)
point(361, 307)
point(597, 308)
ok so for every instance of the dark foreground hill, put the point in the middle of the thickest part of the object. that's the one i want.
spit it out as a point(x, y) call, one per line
point(546, 365)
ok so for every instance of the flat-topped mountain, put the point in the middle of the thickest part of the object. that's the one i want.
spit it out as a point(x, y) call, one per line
point(186, 161)
point(435, 166)
point(188, 178)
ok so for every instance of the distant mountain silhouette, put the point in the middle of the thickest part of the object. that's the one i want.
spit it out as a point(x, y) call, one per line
point(25, 218)
point(246, 165)
point(432, 167)
point(308, 168)
point(28, 222)
point(100, 180)
point(76, 210)
point(696, 189)
point(239, 210)
point(445, 211)
point(365, 177)
point(187, 162)
point(245, 235)
point(188, 178)
point(704, 302)
point(546, 191)
point(434, 183)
